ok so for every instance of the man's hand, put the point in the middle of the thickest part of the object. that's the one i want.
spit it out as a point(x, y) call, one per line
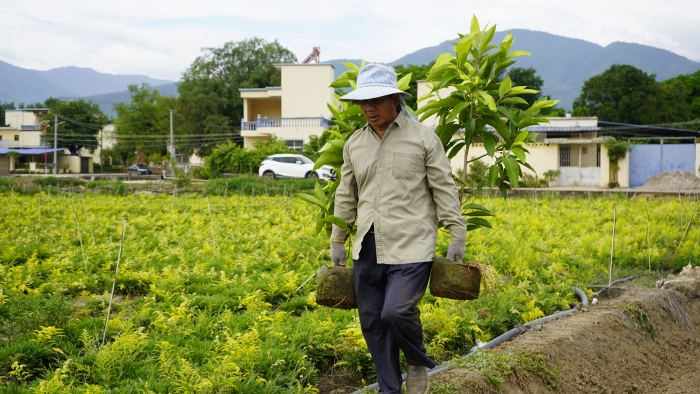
point(455, 250)
point(338, 254)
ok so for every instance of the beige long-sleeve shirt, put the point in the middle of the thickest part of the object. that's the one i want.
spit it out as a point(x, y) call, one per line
point(402, 184)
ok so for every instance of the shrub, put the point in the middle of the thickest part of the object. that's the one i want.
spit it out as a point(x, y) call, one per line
point(551, 175)
point(234, 159)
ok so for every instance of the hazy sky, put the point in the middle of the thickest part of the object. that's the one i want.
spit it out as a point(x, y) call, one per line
point(161, 38)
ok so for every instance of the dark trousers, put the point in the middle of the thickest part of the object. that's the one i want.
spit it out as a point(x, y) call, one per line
point(387, 300)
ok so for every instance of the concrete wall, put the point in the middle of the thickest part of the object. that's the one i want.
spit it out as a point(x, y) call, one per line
point(605, 167)
point(19, 117)
point(270, 108)
point(579, 176)
point(697, 159)
point(8, 137)
point(249, 141)
point(306, 90)
point(623, 176)
point(72, 164)
point(26, 138)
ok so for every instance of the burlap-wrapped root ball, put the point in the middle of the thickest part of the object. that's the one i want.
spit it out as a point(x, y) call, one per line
point(455, 280)
point(334, 288)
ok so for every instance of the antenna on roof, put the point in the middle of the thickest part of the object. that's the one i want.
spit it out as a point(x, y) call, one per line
point(314, 55)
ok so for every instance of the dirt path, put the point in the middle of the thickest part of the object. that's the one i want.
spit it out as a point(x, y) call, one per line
point(644, 341)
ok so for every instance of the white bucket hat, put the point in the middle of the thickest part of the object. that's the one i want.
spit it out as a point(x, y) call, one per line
point(374, 80)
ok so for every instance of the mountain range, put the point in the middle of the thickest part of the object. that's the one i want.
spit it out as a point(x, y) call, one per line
point(563, 63)
point(21, 85)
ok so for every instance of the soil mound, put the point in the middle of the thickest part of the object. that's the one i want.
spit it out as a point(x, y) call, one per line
point(673, 181)
point(645, 341)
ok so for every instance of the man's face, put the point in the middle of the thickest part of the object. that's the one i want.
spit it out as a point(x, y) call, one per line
point(380, 111)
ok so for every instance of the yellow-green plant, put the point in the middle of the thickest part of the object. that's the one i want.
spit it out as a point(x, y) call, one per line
point(469, 99)
point(475, 102)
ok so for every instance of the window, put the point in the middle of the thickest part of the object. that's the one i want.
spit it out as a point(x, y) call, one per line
point(0, 138)
point(16, 137)
point(585, 150)
point(297, 145)
point(564, 156)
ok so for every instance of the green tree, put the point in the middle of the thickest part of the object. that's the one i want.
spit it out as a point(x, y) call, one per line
point(4, 107)
point(312, 149)
point(142, 125)
point(691, 82)
point(234, 159)
point(83, 121)
point(209, 101)
point(526, 77)
point(674, 102)
point(623, 94)
point(418, 73)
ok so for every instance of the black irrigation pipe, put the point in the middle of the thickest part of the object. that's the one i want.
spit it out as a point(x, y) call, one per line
point(517, 330)
point(613, 283)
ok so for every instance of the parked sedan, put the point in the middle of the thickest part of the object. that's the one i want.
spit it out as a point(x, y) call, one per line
point(292, 166)
point(139, 169)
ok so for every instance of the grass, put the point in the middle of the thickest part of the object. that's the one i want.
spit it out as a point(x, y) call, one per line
point(194, 315)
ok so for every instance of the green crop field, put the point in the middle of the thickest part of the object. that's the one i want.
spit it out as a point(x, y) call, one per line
point(211, 293)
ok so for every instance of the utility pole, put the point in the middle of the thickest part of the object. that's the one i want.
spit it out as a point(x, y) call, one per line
point(102, 164)
point(172, 143)
point(55, 142)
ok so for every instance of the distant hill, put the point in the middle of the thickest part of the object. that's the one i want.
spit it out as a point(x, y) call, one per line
point(88, 82)
point(565, 63)
point(20, 85)
point(107, 101)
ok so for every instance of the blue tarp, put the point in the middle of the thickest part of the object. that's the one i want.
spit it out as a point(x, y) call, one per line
point(32, 151)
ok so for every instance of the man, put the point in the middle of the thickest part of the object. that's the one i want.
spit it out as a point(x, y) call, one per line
point(397, 181)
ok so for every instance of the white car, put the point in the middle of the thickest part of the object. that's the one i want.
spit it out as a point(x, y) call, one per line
point(292, 166)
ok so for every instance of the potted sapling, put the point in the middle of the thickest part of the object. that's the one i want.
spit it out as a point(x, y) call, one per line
point(551, 177)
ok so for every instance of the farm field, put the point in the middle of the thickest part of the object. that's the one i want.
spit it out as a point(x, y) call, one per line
point(216, 294)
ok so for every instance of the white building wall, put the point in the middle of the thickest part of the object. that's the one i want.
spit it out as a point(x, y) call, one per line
point(306, 90)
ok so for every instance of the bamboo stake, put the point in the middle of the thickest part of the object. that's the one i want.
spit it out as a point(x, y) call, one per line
point(114, 282)
point(680, 211)
point(211, 224)
point(612, 248)
point(648, 235)
point(80, 239)
point(172, 205)
point(686, 228)
point(87, 220)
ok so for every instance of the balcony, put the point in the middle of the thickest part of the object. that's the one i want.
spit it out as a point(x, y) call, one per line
point(285, 122)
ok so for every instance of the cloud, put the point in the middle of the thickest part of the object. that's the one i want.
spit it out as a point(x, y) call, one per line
point(161, 38)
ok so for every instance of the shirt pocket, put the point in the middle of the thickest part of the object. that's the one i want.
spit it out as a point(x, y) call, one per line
point(405, 165)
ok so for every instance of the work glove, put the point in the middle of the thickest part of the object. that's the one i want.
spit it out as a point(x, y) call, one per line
point(455, 250)
point(338, 254)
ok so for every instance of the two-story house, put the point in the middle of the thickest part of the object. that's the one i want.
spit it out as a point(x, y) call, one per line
point(24, 136)
point(293, 111)
point(570, 145)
